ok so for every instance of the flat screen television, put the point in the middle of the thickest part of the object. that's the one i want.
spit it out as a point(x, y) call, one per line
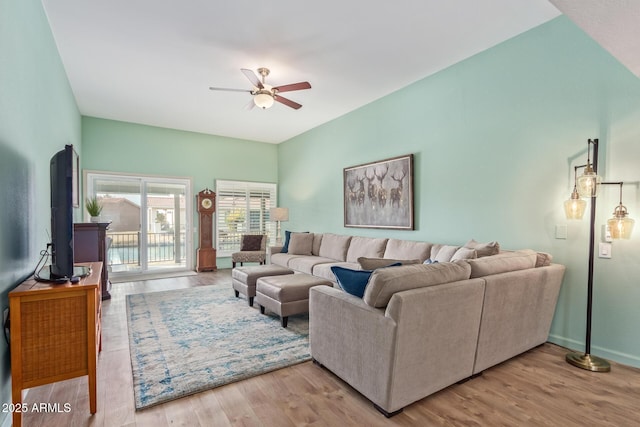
point(64, 197)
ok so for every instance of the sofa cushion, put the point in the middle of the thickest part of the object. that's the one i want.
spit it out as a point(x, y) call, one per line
point(282, 259)
point(305, 264)
point(543, 259)
point(365, 247)
point(443, 253)
point(354, 282)
point(483, 249)
point(301, 244)
point(285, 245)
point(464, 253)
point(334, 246)
point(351, 281)
point(407, 249)
point(385, 282)
point(287, 238)
point(317, 240)
point(324, 270)
point(373, 263)
point(502, 263)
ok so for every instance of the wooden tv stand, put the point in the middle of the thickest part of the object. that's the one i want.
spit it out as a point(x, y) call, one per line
point(55, 335)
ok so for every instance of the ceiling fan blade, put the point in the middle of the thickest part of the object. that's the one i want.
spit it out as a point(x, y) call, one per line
point(293, 86)
point(250, 105)
point(287, 102)
point(252, 77)
point(230, 90)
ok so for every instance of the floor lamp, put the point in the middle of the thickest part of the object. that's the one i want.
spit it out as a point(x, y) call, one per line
point(620, 227)
point(278, 215)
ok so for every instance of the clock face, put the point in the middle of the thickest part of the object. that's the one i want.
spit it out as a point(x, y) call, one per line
point(206, 203)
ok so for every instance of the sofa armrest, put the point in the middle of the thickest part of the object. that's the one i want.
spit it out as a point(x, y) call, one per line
point(274, 249)
point(436, 338)
point(424, 341)
point(518, 310)
point(352, 339)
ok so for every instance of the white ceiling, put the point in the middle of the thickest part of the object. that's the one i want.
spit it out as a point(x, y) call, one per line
point(152, 61)
point(614, 24)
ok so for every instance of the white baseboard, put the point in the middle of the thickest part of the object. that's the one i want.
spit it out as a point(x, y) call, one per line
point(625, 359)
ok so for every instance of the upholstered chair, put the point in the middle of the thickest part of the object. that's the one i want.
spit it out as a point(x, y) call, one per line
point(253, 248)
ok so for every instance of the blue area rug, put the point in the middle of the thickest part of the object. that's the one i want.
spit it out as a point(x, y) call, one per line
point(189, 340)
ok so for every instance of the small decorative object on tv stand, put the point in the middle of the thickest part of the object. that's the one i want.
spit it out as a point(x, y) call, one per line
point(588, 185)
point(94, 208)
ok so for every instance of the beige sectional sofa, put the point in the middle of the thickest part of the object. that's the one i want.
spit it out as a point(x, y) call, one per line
point(420, 328)
point(330, 249)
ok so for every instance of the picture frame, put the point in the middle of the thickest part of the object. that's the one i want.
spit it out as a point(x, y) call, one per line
point(379, 194)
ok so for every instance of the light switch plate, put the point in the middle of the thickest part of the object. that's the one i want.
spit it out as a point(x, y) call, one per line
point(561, 231)
point(604, 250)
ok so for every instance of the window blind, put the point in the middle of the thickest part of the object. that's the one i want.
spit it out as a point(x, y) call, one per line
point(243, 208)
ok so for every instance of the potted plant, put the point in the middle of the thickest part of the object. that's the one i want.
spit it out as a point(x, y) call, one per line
point(94, 208)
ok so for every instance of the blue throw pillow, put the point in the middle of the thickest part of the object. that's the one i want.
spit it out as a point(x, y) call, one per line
point(285, 247)
point(354, 282)
point(287, 237)
point(429, 261)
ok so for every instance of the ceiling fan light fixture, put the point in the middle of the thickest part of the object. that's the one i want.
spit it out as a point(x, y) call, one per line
point(263, 99)
point(265, 95)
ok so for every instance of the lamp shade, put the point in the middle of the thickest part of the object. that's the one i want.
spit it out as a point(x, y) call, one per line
point(279, 214)
point(589, 183)
point(574, 208)
point(620, 225)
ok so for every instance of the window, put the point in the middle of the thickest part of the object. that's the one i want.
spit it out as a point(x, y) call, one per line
point(242, 208)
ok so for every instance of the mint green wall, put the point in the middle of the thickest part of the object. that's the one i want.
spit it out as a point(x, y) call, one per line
point(114, 146)
point(493, 139)
point(38, 116)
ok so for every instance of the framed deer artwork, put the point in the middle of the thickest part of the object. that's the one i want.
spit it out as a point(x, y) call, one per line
point(379, 194)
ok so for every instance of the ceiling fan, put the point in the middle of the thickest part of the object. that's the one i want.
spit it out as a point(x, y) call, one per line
point(263, 94)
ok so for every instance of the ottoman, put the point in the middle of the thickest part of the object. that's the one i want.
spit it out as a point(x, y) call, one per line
point(243, 279)
point(286, 295)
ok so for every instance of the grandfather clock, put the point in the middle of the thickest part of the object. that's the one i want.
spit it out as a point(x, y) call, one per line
point(206, 254)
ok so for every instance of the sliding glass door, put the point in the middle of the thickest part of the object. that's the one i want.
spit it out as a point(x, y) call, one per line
point(150, 218)
point(166, 225)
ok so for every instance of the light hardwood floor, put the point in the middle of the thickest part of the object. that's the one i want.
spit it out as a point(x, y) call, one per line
point(537, 388)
